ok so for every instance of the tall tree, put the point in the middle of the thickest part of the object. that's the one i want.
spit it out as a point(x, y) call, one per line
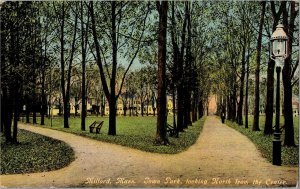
point(247, 92)
point(66, 82)
point(257, 69)
point(18, 34)
point(188, 69)
point(244, 45)
point(289, 23)
point(45, 61)
point(161, 135)
point(117, 13)
point(180, 76)
point(84, 42)
point(174, 71)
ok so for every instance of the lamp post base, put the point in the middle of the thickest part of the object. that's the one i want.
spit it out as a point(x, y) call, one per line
point(277, 149)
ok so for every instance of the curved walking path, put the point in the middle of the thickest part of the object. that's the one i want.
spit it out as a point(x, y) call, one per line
point(221, 157)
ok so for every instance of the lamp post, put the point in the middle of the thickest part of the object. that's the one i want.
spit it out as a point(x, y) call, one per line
point(278, 54)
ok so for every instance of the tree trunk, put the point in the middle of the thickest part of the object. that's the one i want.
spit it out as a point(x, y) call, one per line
point(161, 135)
point(112, 100)
point(130, 107)
point(62, 63)
point(240, 104)
point(66, 113)
point(257, 70)
point(83, 54)
point(59, 107)
point(142, 108)
point(34, 76)
point(247, 93)
point(188, 120)
point(6, 116)
point(187, 117)
point(270, 98)
point(228, 107)
point(289, 139)
point(200, 108)
point(44, 100)
point(125, 108)
point(174, 108)
point(207, 104)
point(2, 122)
point(233, 102)
point(16, 111)
point(66, 95)
point(102, 105)
point(180, 86)
point(112, 116)
point(44, 104)
point(147, 106)
point(83, 98)
point(194, 107)
point(34, 106)
point(288, 111)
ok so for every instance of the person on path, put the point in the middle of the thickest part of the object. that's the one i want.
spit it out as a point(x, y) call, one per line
point(223, 117)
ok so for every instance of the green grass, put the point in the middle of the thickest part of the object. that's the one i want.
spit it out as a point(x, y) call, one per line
point(135, 132)
point(34, 153)
point(289, 155)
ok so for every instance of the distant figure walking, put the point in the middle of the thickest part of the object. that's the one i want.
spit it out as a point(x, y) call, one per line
point(223, 117)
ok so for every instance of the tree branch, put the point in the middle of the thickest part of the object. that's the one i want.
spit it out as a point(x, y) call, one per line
point(136, 52)
point(98, 59)
point(295, 82)
point(295, 68)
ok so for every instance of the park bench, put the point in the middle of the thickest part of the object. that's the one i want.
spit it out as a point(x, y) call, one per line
point(171, 130)
point(97, 125)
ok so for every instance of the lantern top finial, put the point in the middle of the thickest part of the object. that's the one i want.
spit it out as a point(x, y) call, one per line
point(279, 33)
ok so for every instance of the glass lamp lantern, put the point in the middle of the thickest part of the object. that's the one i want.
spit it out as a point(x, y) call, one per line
point(279, 43)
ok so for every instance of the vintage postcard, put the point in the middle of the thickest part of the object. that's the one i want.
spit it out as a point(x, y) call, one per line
point(113, 94)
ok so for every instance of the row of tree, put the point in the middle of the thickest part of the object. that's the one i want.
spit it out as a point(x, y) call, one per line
point(187, 50)
point(247, 50)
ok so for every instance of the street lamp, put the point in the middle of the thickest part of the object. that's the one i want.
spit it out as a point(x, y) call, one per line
point(279, 41)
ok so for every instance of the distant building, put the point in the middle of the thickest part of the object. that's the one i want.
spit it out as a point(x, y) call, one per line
point(133, 106)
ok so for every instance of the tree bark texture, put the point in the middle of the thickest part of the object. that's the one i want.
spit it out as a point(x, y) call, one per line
point(241, 102)
point(289, 139)
point(161, 135)
point(257, 70)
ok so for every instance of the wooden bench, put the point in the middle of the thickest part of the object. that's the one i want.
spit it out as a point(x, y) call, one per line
point(97, 125)
point(171, 130)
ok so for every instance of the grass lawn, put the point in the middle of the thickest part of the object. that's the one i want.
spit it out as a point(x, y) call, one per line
point(135, 132)
point(34, 153)
point(289, 155)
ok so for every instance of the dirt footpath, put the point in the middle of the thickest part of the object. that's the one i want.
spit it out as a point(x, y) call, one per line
point(221, 157)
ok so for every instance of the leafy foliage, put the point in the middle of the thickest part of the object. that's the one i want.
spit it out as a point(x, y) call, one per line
point(34, 153)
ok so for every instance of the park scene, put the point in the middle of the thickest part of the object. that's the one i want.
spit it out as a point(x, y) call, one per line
point(106, 94)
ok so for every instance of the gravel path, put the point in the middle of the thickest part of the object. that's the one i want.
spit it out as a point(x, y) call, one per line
point(221, 157)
